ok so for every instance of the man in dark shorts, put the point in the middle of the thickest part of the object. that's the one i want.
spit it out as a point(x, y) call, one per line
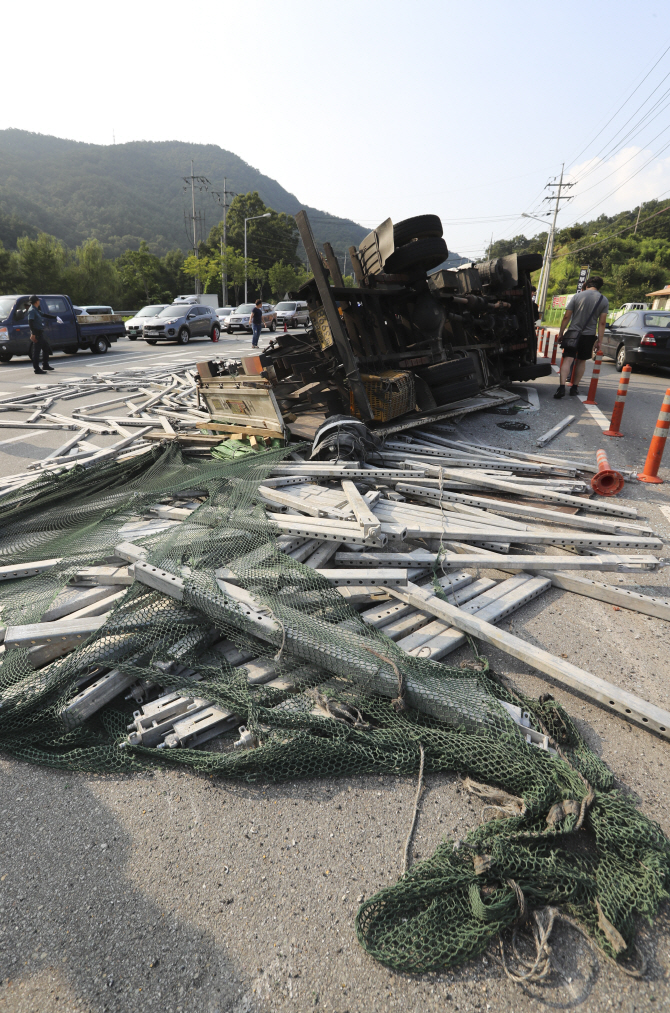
point(588, 311)
point(256, 323)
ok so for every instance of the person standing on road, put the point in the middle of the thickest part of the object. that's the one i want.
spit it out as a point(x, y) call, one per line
point(533, 299)
point(39, 342)
point(588, 311)
point(256, 322)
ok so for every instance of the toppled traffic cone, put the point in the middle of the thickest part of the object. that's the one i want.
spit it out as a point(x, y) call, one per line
point(606, 481)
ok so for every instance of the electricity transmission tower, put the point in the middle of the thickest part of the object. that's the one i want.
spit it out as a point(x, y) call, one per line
point(195, 183)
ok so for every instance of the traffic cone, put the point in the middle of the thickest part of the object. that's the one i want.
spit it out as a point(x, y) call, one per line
point(615, 421)
point(591, 397)
point(606, 481)
point(555, 349)
point(657, 445)
point(285, 327)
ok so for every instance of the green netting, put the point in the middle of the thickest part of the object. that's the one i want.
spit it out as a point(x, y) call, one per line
point(361, 706)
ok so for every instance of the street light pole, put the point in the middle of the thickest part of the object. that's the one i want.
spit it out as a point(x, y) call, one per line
point(252, 219)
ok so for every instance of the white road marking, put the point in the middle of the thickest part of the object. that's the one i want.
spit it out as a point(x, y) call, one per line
point(595, 413)
point(665, 510)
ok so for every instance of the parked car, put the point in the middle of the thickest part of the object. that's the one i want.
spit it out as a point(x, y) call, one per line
point(639, 338)
point(181, 322)
point(64, 334)
point(93, 311)
point(224, 313)
point(240, 319)
point(293, 314)
point(135, 324)
point(203, 299)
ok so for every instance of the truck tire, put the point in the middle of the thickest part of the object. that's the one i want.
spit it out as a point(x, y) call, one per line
point(419, 227)
point(132, 337)
point(71, 349)
point(455, 391)
point(447, 372)
point(5, 356)
point(183, 337)
point(419, 255)
point(99, 346)
point(149, 342)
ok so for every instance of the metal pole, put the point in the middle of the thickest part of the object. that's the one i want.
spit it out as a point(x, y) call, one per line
point(245, 258)
point(550, 248)
point(195, 241)
point(225, 246)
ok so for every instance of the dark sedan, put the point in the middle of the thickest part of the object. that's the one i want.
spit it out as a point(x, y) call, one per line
point(639, 338)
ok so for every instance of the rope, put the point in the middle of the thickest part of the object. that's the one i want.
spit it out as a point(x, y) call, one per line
point(419, 789)
point(399, 703)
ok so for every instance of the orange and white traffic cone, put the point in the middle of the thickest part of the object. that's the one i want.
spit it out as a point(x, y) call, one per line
point(615, 421)
point(285, 327)
point(606, 481)
point(591, 398)
point(555, 349)
point(657, 445)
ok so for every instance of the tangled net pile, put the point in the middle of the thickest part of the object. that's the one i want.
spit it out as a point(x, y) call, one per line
point(568, 839)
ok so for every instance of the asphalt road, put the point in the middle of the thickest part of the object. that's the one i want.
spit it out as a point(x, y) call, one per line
point(175, 892)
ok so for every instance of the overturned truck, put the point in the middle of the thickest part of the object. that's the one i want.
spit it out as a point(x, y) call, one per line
point(405, 342)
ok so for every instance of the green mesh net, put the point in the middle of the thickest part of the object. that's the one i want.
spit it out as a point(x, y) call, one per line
point(357, 704)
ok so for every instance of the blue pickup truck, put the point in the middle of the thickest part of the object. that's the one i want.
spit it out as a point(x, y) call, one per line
point(68, 333)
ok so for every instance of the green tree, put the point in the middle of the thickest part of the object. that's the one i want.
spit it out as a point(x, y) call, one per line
point(140, 271)
point(283, 278)
point(91, 278)
point(268, 239)
point(40, 263)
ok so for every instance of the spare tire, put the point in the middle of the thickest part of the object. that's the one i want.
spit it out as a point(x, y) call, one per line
point(419, 227)
point(455, 391)
point(419, 255)
point(447, 372)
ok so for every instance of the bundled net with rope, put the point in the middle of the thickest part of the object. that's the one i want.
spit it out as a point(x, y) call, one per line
point(560, 836)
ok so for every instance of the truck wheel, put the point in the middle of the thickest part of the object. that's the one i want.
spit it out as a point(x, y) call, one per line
point(216, 333)
point(420, 255)
point(183, 337)
point(151, 342)
point(420, 227)
point(99, 346)
point(71, 349)
point(5, 356)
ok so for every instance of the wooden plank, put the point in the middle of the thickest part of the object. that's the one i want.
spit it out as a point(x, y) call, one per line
point(339, 337)
point(542, 441)
point(492, 561)
point(627, 705)
point(620, 596)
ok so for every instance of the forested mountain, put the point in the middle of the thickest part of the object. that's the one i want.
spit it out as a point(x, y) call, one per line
point(123, 193)
point(630, 250)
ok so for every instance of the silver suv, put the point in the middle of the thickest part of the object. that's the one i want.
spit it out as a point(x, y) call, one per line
point(181, 322)
point(294, 314)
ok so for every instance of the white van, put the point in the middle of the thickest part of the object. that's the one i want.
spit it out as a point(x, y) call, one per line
point(628, 306)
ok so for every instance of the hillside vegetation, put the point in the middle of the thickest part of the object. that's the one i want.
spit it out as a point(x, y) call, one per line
point(632, 262)
point(125, 193)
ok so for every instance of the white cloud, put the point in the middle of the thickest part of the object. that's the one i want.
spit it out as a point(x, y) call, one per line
point(620, 183)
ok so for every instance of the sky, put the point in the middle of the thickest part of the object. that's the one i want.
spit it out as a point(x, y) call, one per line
point(370, 109)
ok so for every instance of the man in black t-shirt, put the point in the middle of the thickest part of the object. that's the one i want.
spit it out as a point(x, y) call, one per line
point(256, 323)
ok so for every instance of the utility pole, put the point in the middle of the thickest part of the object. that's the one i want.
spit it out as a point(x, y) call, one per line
point(344, 265)
point(638, 219)
point(548, 256)
point(202, 184)
point(222, 198)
